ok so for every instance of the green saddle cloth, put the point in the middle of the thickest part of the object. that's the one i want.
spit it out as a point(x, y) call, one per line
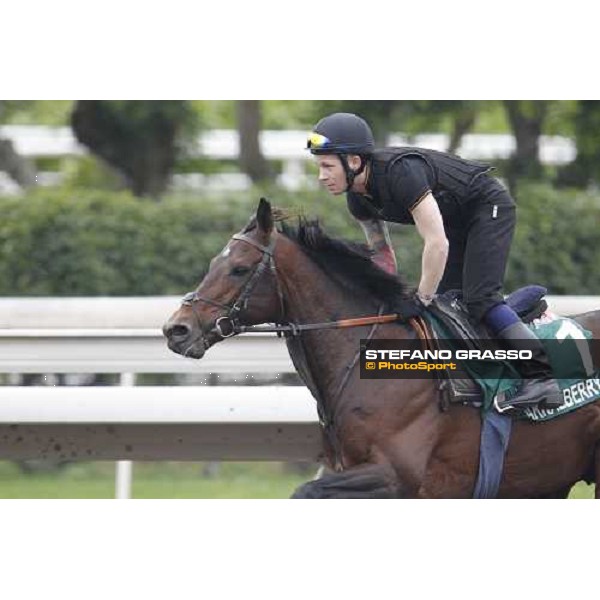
point(565, 342)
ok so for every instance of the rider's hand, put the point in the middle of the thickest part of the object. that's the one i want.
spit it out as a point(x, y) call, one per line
point(425, 299)
point(410, 307)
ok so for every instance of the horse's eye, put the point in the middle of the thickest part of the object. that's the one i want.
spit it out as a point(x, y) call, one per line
point(237, 271)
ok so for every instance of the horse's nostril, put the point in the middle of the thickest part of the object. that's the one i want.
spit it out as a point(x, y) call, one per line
point(178, 332)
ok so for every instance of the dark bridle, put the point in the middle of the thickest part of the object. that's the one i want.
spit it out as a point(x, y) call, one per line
point(241, 302)
point(294, 329)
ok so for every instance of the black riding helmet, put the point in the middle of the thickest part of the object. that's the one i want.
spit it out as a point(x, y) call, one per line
point(343, 134)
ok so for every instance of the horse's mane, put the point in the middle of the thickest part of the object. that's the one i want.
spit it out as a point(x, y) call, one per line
point(348, 263)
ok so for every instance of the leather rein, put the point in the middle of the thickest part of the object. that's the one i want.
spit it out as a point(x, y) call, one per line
point(231, 321)
point(229, 325)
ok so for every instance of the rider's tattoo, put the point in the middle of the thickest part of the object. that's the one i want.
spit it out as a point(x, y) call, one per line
point(377, 233)
point(378, 238)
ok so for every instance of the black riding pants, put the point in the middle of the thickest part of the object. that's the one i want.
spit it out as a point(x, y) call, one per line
point(479, 246)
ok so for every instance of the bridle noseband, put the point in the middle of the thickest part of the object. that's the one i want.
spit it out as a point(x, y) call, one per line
point(293, 329)
point(267, 261)
point(232, 316)
point(231, 319)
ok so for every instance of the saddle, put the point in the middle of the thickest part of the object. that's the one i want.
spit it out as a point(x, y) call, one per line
point(448, 308)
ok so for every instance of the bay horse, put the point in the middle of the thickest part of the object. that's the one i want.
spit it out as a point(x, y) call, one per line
point(382, 438)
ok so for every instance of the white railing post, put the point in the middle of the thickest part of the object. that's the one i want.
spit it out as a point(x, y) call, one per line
point(124, 469)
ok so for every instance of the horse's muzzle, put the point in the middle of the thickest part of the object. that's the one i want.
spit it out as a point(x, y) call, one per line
point(177, 332)
point(185, 340)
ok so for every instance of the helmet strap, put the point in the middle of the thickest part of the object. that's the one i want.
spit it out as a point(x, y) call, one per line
point(350, 174)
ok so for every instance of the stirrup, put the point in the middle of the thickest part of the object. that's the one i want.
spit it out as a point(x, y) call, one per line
point(498, 398)
point(503, 405)
point(545, 401)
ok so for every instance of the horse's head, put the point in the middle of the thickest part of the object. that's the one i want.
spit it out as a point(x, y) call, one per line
point(240, 287)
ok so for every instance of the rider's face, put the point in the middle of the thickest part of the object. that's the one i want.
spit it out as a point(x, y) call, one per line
point(331, 173)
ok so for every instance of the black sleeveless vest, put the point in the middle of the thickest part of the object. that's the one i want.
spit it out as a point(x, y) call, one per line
point(452, 175)
point(452, 184)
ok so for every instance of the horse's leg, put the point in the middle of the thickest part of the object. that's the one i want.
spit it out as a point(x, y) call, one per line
point(370, 481)
point(591, 321)
point(597, 472)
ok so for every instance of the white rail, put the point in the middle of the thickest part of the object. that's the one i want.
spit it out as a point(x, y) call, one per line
point(286, 146)
point(39, 140)
point(125, 423)
point(158, 423)
point(116, 335)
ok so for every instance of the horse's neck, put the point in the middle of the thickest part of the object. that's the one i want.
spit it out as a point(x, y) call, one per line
point(312, 297)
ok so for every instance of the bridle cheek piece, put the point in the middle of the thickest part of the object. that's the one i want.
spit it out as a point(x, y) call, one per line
point(228, 325)
point(232, 317)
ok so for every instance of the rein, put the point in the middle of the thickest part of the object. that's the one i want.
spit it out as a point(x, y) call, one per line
point(296, 329)
point(229, 325)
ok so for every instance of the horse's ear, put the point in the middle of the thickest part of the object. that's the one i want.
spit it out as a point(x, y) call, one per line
point(264, 216)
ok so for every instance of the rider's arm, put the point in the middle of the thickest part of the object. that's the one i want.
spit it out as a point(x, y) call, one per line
point(430, 226)
point(378, 238)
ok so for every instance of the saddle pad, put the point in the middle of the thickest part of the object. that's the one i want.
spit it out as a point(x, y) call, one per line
point(578, 378)
point(448, 308)
point(565, 342)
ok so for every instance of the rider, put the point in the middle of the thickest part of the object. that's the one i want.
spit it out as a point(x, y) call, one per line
point(465, 217)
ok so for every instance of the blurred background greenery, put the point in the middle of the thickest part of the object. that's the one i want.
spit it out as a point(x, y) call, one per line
point(265, 480)
point(112, 221)
point(165, 480)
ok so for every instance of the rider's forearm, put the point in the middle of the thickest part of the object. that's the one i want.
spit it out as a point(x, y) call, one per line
point(435, 254)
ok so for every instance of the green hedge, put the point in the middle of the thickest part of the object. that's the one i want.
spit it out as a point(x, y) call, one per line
point(98, 243)
point(71, 242)
point(557, 240)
